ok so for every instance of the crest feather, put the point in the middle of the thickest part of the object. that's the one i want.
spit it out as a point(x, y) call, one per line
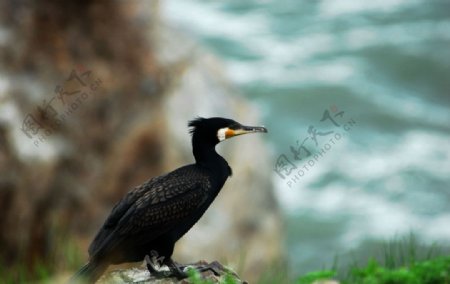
point(195, 123)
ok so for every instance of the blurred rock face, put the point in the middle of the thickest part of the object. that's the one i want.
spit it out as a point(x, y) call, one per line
point(58, 184)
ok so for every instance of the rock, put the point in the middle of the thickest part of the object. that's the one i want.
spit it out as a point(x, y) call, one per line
point(142, 276)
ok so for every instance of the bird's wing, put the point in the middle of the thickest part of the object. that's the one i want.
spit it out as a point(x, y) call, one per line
point(152, 209)
point(144, 223)
point(119, 210)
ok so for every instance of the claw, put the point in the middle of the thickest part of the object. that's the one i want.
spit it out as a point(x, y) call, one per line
point(174, 269)
point(177, 270)
point(155, 271)
point(205, 268)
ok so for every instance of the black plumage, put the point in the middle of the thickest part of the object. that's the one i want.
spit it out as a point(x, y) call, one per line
point(154, 215)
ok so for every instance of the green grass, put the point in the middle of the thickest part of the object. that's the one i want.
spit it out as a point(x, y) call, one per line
point(423, 272)
point(403, 261)
point(317, 275)
point(64, 256)
point(435, 271)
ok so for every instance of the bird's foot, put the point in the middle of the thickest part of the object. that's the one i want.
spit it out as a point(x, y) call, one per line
point(177, 270)
point(155, 270)
point(209, 268)
point(174, 269)
point(202, 268)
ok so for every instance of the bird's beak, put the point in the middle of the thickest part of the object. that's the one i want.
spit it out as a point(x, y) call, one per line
point(244, 130)
point(225, 133)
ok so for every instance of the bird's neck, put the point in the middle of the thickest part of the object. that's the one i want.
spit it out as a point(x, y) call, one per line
point(208, 158)
point(205, 154)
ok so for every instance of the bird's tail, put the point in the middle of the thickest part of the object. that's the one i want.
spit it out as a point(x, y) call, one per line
point(89, 273)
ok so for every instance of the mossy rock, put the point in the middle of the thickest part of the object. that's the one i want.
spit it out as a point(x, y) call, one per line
point(142, 276)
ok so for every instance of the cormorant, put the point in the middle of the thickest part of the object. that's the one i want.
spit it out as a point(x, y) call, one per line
point(153, 216)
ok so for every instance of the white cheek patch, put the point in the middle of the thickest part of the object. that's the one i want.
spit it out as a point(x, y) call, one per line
point(221, 134)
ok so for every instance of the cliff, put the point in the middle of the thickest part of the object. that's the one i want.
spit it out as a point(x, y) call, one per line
point(143, 82)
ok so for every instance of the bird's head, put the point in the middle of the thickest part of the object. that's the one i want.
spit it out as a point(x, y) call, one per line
point(216, 129)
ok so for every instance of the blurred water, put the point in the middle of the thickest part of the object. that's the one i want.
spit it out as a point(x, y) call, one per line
point(386, 64)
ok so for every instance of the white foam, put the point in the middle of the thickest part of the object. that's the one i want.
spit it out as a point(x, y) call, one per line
point(335, 8)
point(371, 212)
point(205, 18)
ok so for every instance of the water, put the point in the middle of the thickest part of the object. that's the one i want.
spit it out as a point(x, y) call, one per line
point(386, 64)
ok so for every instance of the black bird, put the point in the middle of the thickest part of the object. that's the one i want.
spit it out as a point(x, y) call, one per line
point(153, 216)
